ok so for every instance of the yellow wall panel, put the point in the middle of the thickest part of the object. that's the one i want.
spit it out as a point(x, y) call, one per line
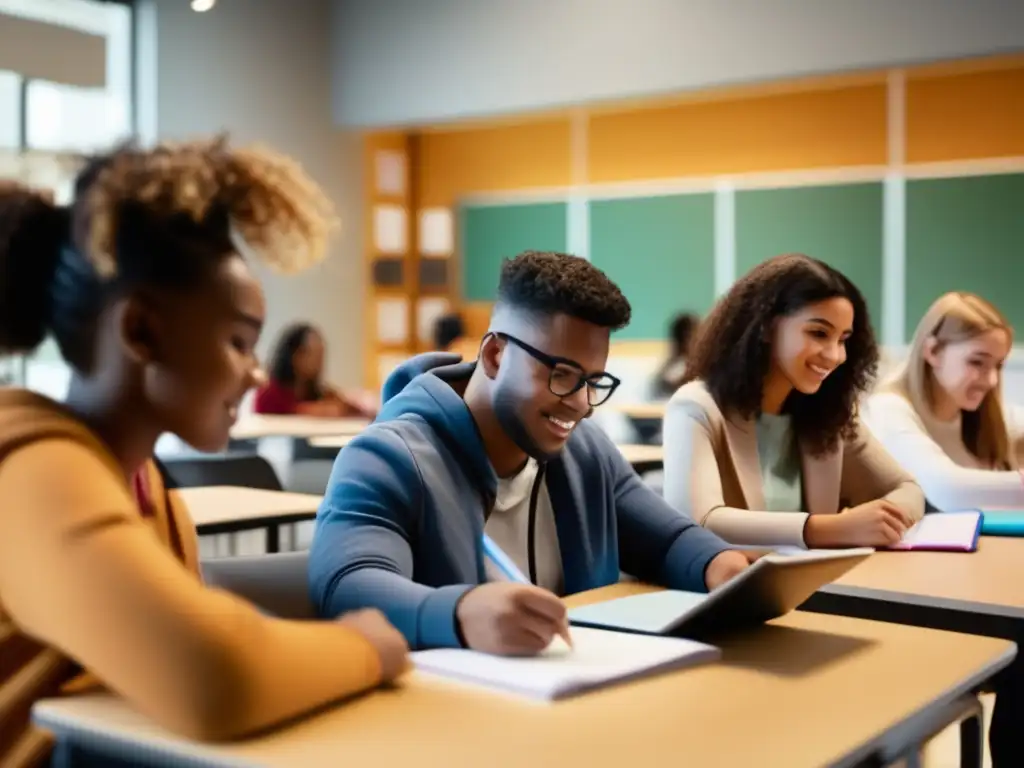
point(457, 162)
point(968, 116)
point(812, 129)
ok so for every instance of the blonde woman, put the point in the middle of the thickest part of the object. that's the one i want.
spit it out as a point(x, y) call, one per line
point(942, 416)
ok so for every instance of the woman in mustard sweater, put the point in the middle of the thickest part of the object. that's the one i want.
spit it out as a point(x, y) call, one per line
point(144, 282)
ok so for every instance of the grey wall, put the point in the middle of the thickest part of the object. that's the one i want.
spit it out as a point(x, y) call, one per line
point(261, 69)
point(409, 61)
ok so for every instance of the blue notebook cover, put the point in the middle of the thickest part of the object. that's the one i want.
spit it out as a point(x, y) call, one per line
point(1008, 522)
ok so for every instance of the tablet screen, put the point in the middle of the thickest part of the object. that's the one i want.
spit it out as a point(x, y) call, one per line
point(651, 613)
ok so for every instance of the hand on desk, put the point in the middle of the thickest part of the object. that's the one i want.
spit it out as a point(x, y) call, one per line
point(511, 619)
point(389, 642)
point(725, 565)
point(877, 523)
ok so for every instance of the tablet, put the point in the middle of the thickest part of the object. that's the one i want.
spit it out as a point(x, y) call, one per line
point(772, 586)
point(1008, 522)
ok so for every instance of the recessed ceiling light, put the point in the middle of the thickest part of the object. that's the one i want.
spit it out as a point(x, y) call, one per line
point(201, 6)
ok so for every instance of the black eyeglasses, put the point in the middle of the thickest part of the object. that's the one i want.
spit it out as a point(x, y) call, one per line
point(567, 377)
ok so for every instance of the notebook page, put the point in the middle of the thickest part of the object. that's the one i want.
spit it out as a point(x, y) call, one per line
point(597, 658)
point(944, 530)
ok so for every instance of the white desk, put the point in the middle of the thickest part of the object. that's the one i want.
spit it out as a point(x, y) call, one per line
point(806, 690)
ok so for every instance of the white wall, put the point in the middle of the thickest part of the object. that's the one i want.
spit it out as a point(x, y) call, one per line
point(409, 61)
point(261, 69)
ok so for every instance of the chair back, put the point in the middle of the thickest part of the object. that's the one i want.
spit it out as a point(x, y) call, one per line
point(246, 471)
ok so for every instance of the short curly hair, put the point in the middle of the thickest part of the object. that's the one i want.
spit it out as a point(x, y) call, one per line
point(550, 283)
point(732, 352)
point(157, 217)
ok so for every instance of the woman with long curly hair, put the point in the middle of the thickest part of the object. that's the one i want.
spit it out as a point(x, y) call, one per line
point(145, 283)
point(762, 443)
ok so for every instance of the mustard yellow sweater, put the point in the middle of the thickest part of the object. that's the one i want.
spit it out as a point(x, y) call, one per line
point(92, 592)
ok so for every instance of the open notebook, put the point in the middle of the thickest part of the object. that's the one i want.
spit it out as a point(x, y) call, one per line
point(598, 658)
point(943, 532)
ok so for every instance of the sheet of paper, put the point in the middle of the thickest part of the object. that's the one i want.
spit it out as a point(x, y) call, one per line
point(597, 658)
point(943, 530)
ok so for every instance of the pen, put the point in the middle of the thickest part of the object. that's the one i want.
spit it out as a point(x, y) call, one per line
point(511, 572)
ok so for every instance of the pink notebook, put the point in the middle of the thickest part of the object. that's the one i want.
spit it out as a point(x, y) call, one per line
point(943, 532)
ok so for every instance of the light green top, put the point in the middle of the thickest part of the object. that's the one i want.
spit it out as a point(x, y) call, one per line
point(780, 463)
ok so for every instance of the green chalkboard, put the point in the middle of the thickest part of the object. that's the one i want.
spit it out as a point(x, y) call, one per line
point(966, 234)
point(661, 252)
point(840, 225)
point(491, 233)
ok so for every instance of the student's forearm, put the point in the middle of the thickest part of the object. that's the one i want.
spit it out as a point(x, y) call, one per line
point(424, 615)
point(757, 528)
point(687, 559)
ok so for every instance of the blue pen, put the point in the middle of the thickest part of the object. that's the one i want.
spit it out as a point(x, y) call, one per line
point(504, 562)
point(512, 573)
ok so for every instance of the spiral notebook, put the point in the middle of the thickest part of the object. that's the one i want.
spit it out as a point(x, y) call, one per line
point(943, 532)
point(597, 659)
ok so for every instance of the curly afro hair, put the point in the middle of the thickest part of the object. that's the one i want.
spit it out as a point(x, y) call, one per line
point(160, 217)
point(732, 352)
point(550, 283)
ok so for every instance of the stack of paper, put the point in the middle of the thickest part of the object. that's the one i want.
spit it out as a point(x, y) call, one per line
point(598, 658)
point(943, 532)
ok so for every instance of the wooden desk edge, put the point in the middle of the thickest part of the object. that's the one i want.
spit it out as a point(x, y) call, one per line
point(928, 601)
point(47, 715)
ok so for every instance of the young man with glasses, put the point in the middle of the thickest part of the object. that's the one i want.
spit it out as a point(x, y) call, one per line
point(481, 493)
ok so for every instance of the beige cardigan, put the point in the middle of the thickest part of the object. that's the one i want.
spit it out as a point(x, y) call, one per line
point(712, 474)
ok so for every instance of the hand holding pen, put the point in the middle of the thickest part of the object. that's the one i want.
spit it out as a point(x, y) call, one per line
point(511, 619)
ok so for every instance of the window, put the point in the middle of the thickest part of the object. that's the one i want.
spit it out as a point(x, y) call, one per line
point(10, 110)
point(65, 118)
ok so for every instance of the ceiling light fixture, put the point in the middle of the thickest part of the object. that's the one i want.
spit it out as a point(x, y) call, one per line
point(201, 6)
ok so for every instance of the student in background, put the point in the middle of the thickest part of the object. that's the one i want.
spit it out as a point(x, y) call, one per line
point(501, 451)
point(763, 444)
point(670, 376)
point(942, 415)
point(143, 283)
point(448, 330)
point(450, 336)
point(296, 380)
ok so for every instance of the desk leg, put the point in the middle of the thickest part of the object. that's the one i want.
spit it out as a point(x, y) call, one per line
point(273, 539)
point(903, 747)
point(972, 749)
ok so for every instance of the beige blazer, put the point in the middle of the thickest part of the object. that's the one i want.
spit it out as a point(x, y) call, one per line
point(713, 474)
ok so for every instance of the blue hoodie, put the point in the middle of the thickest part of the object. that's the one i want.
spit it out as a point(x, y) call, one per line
point(401, 524)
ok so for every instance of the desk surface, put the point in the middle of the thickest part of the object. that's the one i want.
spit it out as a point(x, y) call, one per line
point(256, 426)
point(990, 576)
point(642, 454)
point(808, 689)
point(639, 410)
point(214, 505)
point(331, 441)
